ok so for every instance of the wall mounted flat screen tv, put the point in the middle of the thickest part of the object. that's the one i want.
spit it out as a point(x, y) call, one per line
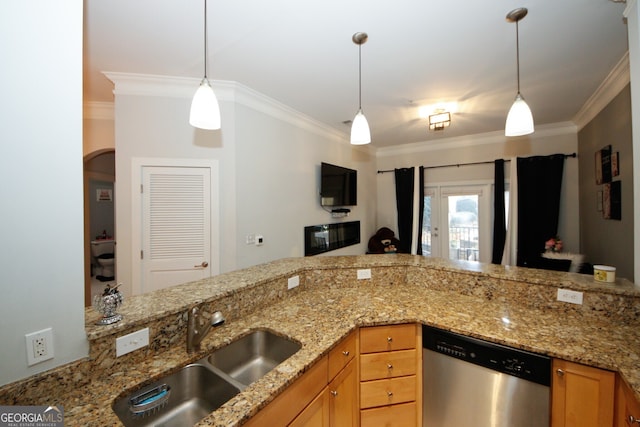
point(338, 185)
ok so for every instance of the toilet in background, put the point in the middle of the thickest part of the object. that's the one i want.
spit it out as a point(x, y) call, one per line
point(103, 252)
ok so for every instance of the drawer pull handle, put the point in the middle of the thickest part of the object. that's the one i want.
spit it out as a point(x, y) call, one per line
point(346, 352)
point(389, 339)
point(632, 420)
point(334, 393)
point(390, 394)
point(560, 372)
point(389, 366)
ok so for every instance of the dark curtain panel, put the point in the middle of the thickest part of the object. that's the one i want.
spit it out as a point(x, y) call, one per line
point(420, 208)
point(499, 223)
point(404, 204)
point(539, 185)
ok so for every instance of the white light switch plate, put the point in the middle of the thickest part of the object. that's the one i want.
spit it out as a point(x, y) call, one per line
point(573, 297)
point(364, 273)
point(133, 341)
point(293, 282)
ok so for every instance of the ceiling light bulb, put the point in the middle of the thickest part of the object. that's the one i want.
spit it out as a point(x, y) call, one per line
point(205, 111)
point(519, 120)
point(360, 133)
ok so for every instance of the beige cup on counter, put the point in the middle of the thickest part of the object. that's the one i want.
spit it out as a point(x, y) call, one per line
point(604, 273)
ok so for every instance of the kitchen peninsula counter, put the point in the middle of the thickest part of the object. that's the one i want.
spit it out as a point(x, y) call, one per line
point(516, 307)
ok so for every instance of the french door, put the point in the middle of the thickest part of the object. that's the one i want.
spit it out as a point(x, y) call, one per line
point(457, 222)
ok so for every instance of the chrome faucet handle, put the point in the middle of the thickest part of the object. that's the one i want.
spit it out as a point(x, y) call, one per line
point(197, 329)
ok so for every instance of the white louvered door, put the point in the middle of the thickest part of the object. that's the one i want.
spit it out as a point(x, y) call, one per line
point(176, 229)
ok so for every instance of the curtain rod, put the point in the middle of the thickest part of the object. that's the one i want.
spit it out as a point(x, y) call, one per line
point(574, 155)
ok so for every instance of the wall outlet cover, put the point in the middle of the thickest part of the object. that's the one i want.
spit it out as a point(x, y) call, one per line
point(39, 346)
point(133, 341)
point(364, 273)
point(293, 282)
point(573, 297)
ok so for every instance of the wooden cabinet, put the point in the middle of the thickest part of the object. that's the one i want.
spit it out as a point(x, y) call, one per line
point(391, 376)
point(316, 414)
point(627, 410)
point(325, 396)
point(291, 402)
point(343, 386)
point(343, 399)
point(582, 396)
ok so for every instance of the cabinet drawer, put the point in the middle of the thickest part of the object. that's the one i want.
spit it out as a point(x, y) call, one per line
point(387, 392)
point(342, 354)
point(404, 415)
point(374, 366)
point(387, 338)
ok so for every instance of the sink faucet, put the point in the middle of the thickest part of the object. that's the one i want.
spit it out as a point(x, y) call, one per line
point(198, 328)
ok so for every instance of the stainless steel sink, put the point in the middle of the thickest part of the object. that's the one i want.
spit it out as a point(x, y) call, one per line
point(251, 357)
point(180, 399)
point(188, 395)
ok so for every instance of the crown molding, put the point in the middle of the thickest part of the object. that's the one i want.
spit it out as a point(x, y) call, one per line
point(185, 87)
point(97, 110)
point(616, 80)
point(496, 137)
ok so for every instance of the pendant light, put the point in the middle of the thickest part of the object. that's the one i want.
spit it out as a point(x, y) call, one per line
point(519, 120)
point(205, 112)
point(360, 133)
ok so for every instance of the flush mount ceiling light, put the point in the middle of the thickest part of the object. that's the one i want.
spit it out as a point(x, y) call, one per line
point(439, 120)
point(360, 133)
point(205, 111)
point(519, 120)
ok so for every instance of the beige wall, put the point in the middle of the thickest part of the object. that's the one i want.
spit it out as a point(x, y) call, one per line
point(608, 242)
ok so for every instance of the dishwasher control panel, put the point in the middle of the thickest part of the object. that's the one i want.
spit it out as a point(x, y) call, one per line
point(508, 360)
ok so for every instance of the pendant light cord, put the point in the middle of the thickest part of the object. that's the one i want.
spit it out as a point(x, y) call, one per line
point(518, 55)
point(360, 76)
point(205, 39)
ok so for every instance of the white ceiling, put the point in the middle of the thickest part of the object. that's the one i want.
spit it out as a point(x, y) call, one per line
point(419, 52)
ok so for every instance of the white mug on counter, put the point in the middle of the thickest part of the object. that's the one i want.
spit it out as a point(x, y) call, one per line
point(604, 273)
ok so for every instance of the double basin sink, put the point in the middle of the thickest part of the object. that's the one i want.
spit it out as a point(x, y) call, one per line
point(185, 397)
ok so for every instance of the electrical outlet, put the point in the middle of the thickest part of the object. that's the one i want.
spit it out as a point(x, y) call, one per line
point(364, 273)
point(133, 341)
point(39, 346)
point(293, 282)
point(566, 295)
point(251, 239)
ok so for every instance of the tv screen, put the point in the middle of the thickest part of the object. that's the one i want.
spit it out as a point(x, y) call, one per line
point(338, 185)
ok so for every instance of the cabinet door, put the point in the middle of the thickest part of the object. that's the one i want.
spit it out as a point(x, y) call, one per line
point(342, 354)
point(316, 414)
point(295, 398)
point(627, 406)
point(343, 400)
point(582, 396)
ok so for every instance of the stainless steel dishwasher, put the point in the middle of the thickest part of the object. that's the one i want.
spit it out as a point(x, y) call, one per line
point(477, 383)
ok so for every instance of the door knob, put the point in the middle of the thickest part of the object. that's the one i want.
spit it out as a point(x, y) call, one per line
point(204, 264)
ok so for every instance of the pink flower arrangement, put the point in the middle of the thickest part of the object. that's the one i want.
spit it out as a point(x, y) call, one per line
point(554, 244)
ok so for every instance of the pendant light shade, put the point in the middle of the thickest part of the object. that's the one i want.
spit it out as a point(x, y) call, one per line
point(205, 111)
point(360, 133)
point(519, 120)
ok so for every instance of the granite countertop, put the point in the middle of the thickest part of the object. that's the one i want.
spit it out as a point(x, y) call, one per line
point(319, 313)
